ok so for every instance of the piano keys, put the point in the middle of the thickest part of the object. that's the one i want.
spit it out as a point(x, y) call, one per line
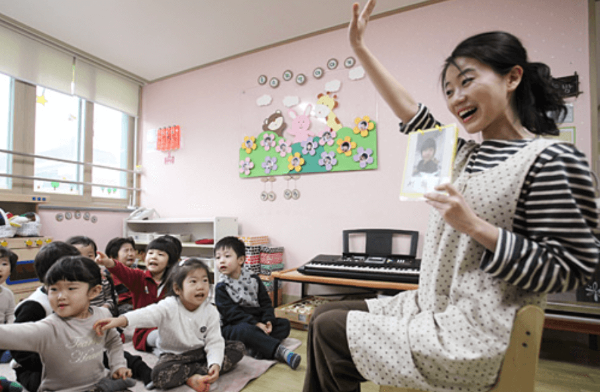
point(360, 266)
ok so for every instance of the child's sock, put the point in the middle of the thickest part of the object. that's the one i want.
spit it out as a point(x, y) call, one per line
point(9, 386)
point(288, 356)
point(198, 383)
point(111, 385)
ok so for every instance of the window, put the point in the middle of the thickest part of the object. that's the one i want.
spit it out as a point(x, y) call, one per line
point(58, 134)
point(6, 88)
point(111, 148)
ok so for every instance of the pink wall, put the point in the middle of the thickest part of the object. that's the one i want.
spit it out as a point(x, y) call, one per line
point(108, 226)
point(211, 104)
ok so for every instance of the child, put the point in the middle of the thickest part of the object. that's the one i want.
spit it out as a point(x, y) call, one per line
point(107, 298)
point(28, 365)
point(122, 250)
point(428, 162)
point(246, 310)
point(8, 263)
point(146, 286)
point(71, 355)
point(189, 337)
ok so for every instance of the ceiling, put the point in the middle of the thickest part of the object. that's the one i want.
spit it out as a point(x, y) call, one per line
point(153, 39)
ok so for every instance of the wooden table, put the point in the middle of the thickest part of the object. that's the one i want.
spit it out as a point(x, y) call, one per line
point(292, 275)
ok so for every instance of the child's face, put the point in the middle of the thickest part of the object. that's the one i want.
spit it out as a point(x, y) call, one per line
point(196, 288)
point(156, 262)
point(87, 251)
point(427, 154)
point(4, 269)
point(72, 299)
point(229, 262)
point(126, 254)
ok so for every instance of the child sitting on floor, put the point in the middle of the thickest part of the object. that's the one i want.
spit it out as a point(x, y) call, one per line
point(71, 355)
point(190, 345)
point(146, 286)
point(246, 310)
point(108, 297)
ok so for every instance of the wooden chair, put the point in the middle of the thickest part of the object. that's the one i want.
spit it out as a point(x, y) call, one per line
point(520, 362)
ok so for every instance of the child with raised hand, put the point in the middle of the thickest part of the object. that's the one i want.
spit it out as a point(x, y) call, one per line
point(191, 348)
point(28, 365)
point(70, 353)
point(122, 249)
point(146, 286)
point(107, 298)
point(246, 310)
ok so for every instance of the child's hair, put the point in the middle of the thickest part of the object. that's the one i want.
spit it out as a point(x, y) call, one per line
point(175, 242)
point(536, 101)
point(114, 245)
point(181, 270)
point(11, 256)
point(49, 254)
point(233, 243)
point(83, 241)
point(428, 143)
point(74, 269)
point(168, 246)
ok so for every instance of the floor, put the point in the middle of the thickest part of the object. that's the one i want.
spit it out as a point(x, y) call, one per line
point(566, 365)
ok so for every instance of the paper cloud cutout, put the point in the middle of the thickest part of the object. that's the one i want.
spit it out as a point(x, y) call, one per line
point(264, 100)
point(290, 101)
point(356, 73)
point(333, 86)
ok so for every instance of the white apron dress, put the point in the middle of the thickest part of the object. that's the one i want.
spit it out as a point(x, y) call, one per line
point(453, 331)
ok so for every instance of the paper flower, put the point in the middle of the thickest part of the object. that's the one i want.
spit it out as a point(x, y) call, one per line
point(249, 144)
point(363, 156)
point(284, 147)
point(309, 146)
point(296, 161)
point(327, 137)
point(345, 146)
point(363, 126)
point(246, 165)
point(268, 141)
point(328, 160)
point(269, 164)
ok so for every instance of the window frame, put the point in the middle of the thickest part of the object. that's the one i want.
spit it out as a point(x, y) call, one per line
point(23, 140)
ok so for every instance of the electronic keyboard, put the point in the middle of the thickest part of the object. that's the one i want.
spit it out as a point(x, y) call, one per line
point(400, 269)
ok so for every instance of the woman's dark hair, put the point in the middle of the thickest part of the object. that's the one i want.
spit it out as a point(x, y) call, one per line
point(233, 243)
point(11, 256)
point(166, 245)
point(536, 101)
point(181, 270)
point(83, 241)
point(74, 269)
point(114, 245)
point(49, 254)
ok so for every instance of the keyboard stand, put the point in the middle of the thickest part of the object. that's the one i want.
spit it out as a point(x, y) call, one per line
point(292, 275)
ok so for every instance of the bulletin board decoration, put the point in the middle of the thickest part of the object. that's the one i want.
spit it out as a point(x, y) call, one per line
point(168, 139)
point(345, 150)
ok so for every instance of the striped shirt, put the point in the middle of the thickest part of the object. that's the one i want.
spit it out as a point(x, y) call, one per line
point(552, 247)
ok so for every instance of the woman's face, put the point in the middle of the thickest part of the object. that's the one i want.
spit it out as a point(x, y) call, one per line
point(480, 98)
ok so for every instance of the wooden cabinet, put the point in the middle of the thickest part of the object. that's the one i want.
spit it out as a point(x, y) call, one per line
point(143, 231)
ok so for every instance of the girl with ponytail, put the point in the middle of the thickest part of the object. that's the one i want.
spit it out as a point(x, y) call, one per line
point(515, 223)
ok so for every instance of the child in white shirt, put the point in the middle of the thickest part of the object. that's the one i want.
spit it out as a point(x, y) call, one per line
point(191, 348)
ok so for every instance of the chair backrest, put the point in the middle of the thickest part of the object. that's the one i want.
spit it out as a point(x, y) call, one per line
point(521, 359)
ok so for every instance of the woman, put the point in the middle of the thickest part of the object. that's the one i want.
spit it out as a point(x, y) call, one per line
point(515, 223)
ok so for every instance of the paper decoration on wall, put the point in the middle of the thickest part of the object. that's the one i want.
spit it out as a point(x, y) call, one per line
point(41, 99)
point(318, 73)
point(300, 79)
point(356, 73)
point(300, 127)
point(291, 193)
point(264, 100)
point(349, 62)
point(275, 123)
point(168, 139)
point(270, 196)
point(290, 101)
point(262, 79)
point(324, 109)
point(274, 82)
point(332, 64)
point(287, 75)
point(333, 86)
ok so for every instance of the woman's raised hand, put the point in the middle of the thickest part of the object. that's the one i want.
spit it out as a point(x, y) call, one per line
point(358, 24)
